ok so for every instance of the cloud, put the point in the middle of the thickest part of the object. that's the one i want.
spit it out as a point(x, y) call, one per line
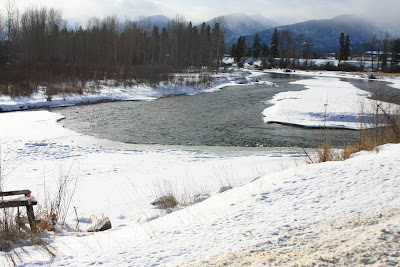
point(285, 11)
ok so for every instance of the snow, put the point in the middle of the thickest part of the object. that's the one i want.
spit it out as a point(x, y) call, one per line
point(327, 102)
point(395, 83)
point(273, 191)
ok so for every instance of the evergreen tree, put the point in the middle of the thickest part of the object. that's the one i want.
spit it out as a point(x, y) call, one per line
point(264, 55)
point(275, 40)
point(240, 51)
point(218, 43)
point(341, 47)
point(265, 51)
point(347, 44)
point(257, 48)
point(233, 51)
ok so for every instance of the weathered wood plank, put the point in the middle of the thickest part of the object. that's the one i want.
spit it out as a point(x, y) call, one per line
point(13, 193)
point(27, 202)
point(16, 203)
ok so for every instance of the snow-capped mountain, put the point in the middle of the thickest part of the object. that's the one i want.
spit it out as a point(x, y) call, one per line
point(325, 33)
point(239, 24)
point(159, 21)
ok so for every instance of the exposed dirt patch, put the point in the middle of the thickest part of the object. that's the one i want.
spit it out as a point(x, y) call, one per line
point(372, 239)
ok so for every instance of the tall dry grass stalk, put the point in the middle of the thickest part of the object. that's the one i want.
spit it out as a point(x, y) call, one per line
point(57, 204)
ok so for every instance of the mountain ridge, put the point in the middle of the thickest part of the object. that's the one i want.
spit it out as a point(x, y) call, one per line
point(324, 32)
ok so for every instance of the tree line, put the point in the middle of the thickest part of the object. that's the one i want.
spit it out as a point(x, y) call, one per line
point(38, 44)
point(289, 48)
point(382, 51)
point(286, 50)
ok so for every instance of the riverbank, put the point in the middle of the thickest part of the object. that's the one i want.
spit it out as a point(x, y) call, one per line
point(108, 91)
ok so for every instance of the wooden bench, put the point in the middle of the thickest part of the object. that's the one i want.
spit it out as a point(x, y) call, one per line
point(25, 200)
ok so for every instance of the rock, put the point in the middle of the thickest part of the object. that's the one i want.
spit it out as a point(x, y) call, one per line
point(225, 188)
point(165, 202)
point(372, 77)
point(103, 226)
point(201, 198)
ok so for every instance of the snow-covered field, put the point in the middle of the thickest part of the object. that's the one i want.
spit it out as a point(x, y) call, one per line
point(275, 194)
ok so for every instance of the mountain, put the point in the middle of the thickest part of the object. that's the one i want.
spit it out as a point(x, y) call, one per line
point(158, 20)
point(239, 24)
point(267, 23)
point(325, 33)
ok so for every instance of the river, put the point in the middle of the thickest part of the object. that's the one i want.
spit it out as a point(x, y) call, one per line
point(229, 117)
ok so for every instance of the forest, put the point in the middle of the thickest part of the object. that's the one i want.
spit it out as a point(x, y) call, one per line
point(37, 47)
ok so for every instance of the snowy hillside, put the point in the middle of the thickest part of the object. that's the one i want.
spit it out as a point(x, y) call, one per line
point(273, 198)
point(159, 21)
point(239, 24)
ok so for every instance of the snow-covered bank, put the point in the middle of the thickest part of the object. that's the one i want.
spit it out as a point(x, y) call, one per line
point(108, 91)
point(393, 81)
point(115, 179)
point(327, 102)
point(33, 142)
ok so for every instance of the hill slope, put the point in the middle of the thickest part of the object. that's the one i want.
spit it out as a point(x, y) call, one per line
point(325, 33)
point(239, 24)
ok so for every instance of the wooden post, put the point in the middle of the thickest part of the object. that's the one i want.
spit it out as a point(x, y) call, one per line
point(30, 212)
point(31, 217)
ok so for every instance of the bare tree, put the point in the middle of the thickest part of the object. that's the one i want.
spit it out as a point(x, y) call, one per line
point(297, 44)
point(11, 13)
point(307, 49)
point(372, 46)
point(384, 40)
point(286, 42)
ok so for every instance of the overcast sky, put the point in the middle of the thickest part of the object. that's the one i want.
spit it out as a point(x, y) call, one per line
point(282, 11)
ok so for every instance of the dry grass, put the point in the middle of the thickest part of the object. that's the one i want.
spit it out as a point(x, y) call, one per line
point(18, 89)
point(382, 128)
point(14, 233)
point(53, 90)
point(166, 194)
point(170, 194)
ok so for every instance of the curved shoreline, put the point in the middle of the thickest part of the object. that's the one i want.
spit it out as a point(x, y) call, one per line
point(310, 127)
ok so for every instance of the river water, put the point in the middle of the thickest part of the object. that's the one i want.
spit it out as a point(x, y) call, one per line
point(229, 117)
